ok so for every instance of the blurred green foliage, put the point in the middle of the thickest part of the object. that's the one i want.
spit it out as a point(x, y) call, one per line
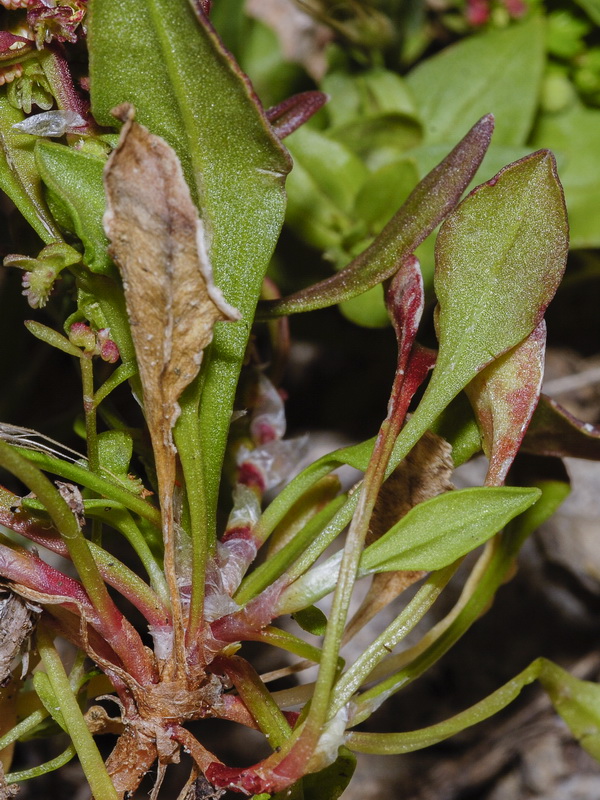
point(406, 80)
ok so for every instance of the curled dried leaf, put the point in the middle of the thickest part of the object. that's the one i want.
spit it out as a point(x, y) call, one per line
point(159, 244)
point(17, 621)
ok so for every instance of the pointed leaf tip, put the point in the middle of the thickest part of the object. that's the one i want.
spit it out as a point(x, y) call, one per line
point(428, 204)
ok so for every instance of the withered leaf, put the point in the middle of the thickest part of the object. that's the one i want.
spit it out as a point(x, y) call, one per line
point(423, 474)
point(16, 625)
point(159, 244)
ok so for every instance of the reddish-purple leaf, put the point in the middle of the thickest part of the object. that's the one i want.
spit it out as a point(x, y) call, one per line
point(555, 432)
point(287, 116)
point(504, 397)
point(427, 205)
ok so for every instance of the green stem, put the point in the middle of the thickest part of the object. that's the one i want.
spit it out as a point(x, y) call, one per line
point(189, 448)
point(120, 519)
point(287, 641)
point(291, 494)
point(91, 431)
point(48, 766)
point(24, 727)
point(66, 524)
point(404, 623)
point(89, 755)
point(122, 373)
point(373, 479)
point(99, 485)
point(268, 572)
point(396, 743)
point(257, 699)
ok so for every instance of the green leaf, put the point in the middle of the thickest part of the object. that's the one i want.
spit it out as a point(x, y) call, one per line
point(312, 620)
point(379, 139)
point(52, 337)
point(44, 690)
point(335, 171)
point(441, 530)
point(575, 137)
point(367, 309)
point(458, 426)
point(499, 259)
point(498, 71)
point(496, 572)
point(578, 703)
point(329, 783)
point(192, 93)
point(431, 536)
point(75, 180)
point(18, 174)
point(367, 94)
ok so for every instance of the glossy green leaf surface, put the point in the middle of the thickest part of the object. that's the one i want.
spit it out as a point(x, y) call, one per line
point(192, 93)
point(498, 72)
point(19, 178)
point(75, 178)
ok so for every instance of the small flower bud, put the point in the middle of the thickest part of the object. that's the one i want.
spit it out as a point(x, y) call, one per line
point(81, 335)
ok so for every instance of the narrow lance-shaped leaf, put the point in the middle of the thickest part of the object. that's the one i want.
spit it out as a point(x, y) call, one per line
point(577, 701)
point(172, 303)
point(431, 536)
point(504, 396)
point(428, 204)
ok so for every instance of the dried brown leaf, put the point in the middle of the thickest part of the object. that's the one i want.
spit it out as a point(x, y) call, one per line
point(159, 244)
point(17, 620)
point(423, 474)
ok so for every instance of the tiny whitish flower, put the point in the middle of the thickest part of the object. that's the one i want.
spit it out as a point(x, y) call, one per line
point(8, 74)
point(13, 5)
point(37, 286)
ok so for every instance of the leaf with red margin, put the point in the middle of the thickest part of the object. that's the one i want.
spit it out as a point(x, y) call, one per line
point(504, 397)
point(554, 431)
